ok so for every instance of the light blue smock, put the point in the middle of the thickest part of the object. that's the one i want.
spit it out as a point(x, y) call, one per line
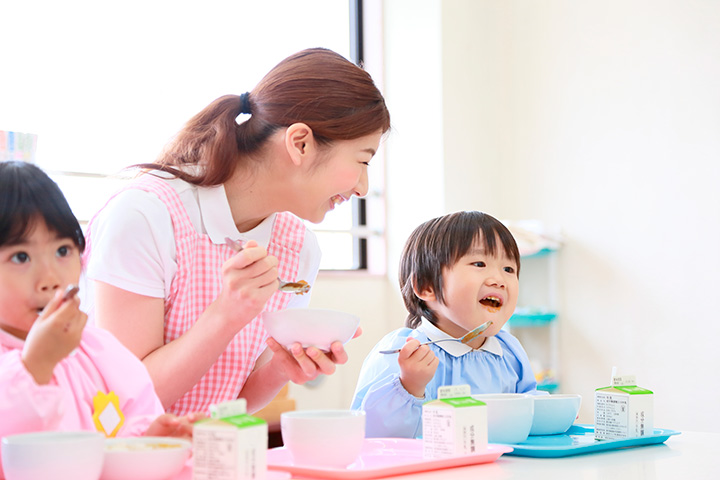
point(499, 366)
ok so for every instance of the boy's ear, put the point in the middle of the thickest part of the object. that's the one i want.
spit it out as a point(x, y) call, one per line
point(426, 293)
point(300, 143)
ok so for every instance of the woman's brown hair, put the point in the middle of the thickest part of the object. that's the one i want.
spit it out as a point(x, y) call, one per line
point(334, 97)
point(440, 243)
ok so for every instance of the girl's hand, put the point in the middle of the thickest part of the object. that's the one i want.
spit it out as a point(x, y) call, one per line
point(301, 365)
point(249, 279)
point(170, 425)
point(417, 367)
point(56, 332)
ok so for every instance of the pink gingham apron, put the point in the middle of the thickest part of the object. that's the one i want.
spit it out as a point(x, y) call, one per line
point(198, 282)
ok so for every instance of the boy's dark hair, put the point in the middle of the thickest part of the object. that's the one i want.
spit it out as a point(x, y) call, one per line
point(440, 243)
point(28, 194)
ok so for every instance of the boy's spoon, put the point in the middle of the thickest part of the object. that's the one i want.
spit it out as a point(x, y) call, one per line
point(297, 288)
point(467, 338)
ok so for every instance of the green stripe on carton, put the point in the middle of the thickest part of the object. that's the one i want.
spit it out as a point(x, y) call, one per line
point(239, 421)
point(462, 402)
point(629, 389)
point(634, 390)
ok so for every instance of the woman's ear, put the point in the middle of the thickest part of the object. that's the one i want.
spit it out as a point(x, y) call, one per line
point(300, 143)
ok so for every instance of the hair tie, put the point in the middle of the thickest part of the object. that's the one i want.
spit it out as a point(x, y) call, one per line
point(245, 103)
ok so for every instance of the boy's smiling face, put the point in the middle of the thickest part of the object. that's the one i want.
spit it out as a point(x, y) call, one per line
point(30, 274)
point(478, 288)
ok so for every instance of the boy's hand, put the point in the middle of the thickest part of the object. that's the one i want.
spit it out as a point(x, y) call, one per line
point(170, 425)
point(56, 332)
point(417, 367)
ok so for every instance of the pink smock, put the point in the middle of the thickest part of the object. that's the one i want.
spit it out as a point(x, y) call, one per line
point(99, 364)
point(198, 283)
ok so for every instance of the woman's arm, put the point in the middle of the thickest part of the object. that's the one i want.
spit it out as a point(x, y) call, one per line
point(249, 279)
point(277, 366)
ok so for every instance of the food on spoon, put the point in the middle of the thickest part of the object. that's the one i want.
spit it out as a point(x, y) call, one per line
point(299, 288)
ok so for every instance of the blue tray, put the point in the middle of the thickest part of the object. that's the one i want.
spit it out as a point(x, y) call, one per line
point(581, 439)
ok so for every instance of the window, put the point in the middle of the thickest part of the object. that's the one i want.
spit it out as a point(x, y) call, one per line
point(105, 85)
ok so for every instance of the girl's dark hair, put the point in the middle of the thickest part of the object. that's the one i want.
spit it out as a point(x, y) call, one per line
point(334, 97)
point(27, 195)
point(440, 243)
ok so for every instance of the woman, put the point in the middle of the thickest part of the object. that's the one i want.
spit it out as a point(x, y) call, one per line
point(164, 281)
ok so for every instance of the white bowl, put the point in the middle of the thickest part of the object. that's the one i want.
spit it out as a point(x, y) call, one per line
point(510, 416)
point(144, 458)
point(554, 414)
point(56, 455)
point(310, 326)
point(323, 438)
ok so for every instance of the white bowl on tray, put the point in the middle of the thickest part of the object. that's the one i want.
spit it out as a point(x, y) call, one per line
point(56, 455)
point(323, 438)
point(144, 458)
point(509, 415)
point(310, 327)
point(554, 414)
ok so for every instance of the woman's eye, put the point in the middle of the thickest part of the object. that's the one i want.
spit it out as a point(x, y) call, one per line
point(20, 257)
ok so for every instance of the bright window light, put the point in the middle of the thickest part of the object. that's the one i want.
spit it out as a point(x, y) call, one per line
point(105, 85)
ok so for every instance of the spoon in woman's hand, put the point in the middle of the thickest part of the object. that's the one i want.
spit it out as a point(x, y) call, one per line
point(297, 288)
point(465, 339)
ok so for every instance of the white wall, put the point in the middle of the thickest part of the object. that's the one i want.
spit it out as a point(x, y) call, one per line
point(599, 117)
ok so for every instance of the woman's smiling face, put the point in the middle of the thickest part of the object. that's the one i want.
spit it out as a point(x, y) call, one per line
point(340, 174)
point(478, 288)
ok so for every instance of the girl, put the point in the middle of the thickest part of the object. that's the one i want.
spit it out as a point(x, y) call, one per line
point(456, 273)
point(52, 366)
point(161, 276)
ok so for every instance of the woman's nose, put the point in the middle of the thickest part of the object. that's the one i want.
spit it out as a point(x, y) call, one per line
point(361, 189)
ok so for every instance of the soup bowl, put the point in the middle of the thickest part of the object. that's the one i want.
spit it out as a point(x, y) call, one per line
point(310, 326)
point(56, 455)
point(510, 416)
point(554, 414)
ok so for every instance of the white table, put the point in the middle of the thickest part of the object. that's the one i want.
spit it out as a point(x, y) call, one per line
point(689, 456)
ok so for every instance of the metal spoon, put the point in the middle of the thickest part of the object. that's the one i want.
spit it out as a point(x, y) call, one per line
point(298, 288)
point(467, 338)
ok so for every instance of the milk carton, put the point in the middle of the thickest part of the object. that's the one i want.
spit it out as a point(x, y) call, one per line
point(231, 445)
point(623, 410)
point(454, 424)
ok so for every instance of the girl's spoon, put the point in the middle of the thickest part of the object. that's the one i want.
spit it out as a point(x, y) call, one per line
point(467, 338)
point(297, 288)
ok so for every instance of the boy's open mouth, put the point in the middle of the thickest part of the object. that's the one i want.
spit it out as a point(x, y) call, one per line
point(491, 301)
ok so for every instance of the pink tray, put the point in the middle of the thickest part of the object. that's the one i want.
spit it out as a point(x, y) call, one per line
point(383, 457)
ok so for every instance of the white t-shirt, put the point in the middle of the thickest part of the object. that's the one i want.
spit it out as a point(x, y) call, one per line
point(133, 241)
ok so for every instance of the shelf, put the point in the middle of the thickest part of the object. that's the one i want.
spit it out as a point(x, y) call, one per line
point(539, 253)
point(530, 318)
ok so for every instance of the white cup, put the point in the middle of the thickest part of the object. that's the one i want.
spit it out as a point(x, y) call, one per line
point(510, 416)
point(323, 438)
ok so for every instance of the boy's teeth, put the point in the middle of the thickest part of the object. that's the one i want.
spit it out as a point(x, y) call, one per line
point(491, 301)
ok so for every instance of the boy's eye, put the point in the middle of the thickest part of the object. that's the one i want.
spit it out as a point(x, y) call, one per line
point(509, 269)
point(20, 257)
point(479, 264)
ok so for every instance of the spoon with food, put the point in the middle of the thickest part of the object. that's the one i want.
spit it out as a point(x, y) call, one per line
point(298, 288)
point(465, 339)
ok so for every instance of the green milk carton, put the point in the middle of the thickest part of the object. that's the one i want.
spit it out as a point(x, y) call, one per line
point(623, 410)
point(454, 424)
point(231, 445)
